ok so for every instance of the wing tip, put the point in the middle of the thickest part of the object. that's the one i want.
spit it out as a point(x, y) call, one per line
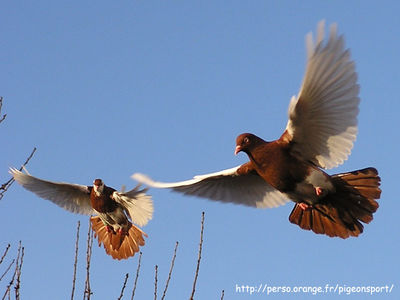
point(144, 179)
point(17, 174)
point(141, 178)
point(13, 171)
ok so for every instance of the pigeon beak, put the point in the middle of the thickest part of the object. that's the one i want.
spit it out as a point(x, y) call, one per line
point(238, 149)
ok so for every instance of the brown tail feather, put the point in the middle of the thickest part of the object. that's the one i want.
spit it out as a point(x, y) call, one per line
point(118, 245)
point(116, 240)
point(339, 214)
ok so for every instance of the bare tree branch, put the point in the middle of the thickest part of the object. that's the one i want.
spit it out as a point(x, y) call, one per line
point(18, 270)
point(155, 283)
point(8, 287)
point(137, 276)
point(8, 269)
point(75, 260)
point(199, 257)
point(123, 286)
point(170, 271)
point(88, 292)
point(5, 253)
point(2, 117)
point(5, 186)
point(16, 276)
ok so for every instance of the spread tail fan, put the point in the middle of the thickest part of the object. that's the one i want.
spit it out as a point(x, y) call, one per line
point(339, 214)
point(120, 245)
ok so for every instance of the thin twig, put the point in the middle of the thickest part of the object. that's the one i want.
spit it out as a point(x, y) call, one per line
point(222, 295)
point(5, 186)
point(155, 283)
point(7, 292)
point(88, 291)
point(8, 287)
point(199, 257)
point(75, 260)
point(5, 253)
point(1, 105)
point(137, 276)
point(18, 271)
point(123, 286)
point(170, 271)
point(28, 159)
point(8, 269)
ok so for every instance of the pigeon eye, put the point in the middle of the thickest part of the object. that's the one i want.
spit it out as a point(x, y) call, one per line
point(246, 140)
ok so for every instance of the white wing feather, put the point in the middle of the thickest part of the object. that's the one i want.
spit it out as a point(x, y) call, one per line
point(72, 197)
point(225, 186)
point(137, 203)
point(323, 118)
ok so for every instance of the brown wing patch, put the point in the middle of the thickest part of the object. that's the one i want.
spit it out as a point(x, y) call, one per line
point(246, 168)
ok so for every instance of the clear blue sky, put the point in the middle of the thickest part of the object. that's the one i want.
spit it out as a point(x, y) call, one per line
point(108, 88)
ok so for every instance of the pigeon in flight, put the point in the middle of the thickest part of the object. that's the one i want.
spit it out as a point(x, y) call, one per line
point(320, 133)
point(114, 211)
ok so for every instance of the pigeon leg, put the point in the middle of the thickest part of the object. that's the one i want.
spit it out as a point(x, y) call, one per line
point(319, 191)
point(121, 231)
point(304, 206)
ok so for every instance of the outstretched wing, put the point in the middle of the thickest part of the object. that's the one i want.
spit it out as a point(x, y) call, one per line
point(137, 203)
point(225, 186)
point(323, 118)
point(72, 197)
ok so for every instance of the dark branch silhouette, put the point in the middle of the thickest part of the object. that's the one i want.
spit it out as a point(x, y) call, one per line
point(16, 277)
point(88, 292)
point(155, 282)
point(75, 260)
point(137, 276)
point(170, 271)
point(7, 269)
point(5, 253)
point(2, 117)
point(123, 286)
point(5, 186)
point(18, 269)
point(199, 256)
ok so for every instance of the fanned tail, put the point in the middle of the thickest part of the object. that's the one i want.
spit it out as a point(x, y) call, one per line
point(339, 214)
point(120, 245)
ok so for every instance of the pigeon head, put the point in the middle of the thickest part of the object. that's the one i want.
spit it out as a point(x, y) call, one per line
point(98, 186)
point(246, 142)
